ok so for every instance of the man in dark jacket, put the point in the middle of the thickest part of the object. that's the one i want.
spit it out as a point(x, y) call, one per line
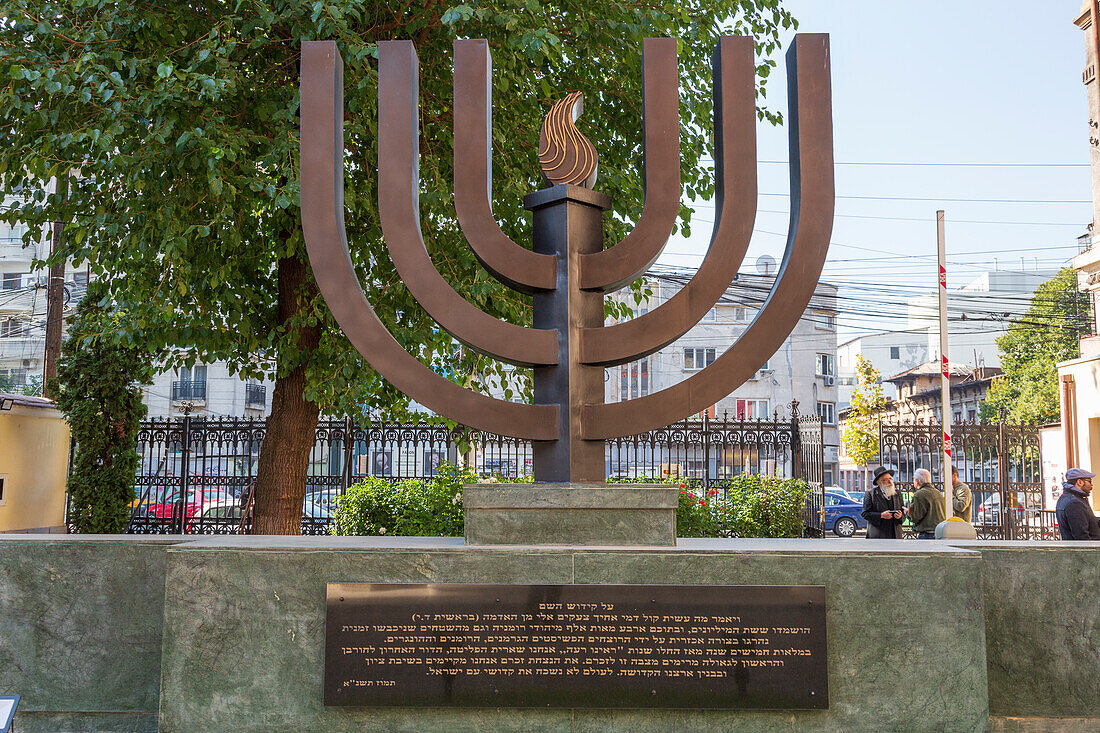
point(882, 507)
point(1076, 520)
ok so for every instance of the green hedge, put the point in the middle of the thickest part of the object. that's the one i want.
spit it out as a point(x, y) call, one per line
point(746, 506)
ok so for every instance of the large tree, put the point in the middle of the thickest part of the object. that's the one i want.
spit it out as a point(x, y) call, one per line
point(1048, 333)
point(182, 117)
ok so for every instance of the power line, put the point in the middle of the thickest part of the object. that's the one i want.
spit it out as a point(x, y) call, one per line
point(951, 200)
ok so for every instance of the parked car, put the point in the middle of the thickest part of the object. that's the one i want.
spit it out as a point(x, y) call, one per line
point(165, 505)
point(326, 498)
point(855, 495)
point(229, 512)
point(843, 515)
point(989, 511)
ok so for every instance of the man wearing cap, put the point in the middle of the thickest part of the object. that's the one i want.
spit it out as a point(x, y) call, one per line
point(882, 507)
point(1076, 520)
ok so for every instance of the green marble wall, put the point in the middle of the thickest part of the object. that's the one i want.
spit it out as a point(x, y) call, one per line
point(80, 630)
point(1042, 618)
point(247, 620)
point(922, 636)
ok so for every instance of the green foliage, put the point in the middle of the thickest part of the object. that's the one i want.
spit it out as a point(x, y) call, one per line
point(98, 390)
point(745, 506)
point(182, 119)
point(1048, 333)
point(765, 506)
point(861, 428)
point(410, 507)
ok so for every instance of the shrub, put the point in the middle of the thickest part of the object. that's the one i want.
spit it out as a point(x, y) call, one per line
point(409, 507)
point(765, 506)
point(98, 389)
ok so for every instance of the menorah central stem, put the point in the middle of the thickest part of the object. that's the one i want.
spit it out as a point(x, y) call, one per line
point(568, 223)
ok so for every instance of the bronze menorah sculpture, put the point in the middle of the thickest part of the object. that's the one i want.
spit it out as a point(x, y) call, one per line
point(568, 271)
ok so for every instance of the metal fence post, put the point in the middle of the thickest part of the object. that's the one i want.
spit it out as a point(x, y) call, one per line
point(1007, 516)
point(705, 439)
point(349, 445)
point(185, 472)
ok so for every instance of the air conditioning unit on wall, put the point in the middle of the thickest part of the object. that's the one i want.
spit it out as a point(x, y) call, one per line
point(829, 381)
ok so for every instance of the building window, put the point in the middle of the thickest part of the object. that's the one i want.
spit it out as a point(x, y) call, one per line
point(895, 352)
point(827, 412)
point(11, 281)
point(825, 321)
point(826, 367)
point(634, 379)
point(752, 409)
point(15, 377)
point(711, 316)
point(10, 328)
point(696, 359)
point(971, 415)
point(828, 476)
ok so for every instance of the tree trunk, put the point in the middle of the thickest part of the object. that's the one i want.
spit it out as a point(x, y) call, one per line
point(284, 457)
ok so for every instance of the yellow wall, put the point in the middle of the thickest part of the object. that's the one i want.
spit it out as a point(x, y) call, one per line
point(34, 454)
point(1086, 379)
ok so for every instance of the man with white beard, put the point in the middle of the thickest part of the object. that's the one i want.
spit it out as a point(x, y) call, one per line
point(882, 507)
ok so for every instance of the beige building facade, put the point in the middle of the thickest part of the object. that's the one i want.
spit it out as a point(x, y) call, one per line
point(34, 460)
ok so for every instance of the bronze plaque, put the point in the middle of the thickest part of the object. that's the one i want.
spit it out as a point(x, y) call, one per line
point(576, 646)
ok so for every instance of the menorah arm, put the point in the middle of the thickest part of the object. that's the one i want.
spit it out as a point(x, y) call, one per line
point(517, 267)
point(398, 205)
point(322, 203)
point(735, 143)
point(811, 155)
point(624, 262)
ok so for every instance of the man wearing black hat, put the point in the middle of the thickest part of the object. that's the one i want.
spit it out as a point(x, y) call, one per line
point(882, 507)
point(1076, 520)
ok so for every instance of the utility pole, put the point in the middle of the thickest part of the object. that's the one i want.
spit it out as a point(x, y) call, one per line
point(55, 292)
point(945, 368)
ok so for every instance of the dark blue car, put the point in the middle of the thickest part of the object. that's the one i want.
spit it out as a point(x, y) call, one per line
point(843, 515)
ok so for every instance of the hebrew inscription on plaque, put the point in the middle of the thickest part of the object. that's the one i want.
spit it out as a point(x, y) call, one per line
point(576, 646)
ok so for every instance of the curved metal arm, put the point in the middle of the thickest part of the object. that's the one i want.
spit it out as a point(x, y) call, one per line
point(735, 157)
point(811, 146)
point(322, 202)
point(518, 268)
point(398, 205)
point(626, 261)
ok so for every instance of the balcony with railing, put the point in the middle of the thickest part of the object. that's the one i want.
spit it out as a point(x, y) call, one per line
point(255, 395)
point(189, 390)
point(12, 250)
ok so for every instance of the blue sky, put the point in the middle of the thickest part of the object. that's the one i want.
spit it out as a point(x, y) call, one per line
point(936, 82)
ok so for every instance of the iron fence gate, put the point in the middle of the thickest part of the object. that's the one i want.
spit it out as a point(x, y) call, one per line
point(196, 474)
point(995, 460)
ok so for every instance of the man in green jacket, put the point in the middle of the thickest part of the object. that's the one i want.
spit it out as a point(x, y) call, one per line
point(961, 498)
point(926, 511)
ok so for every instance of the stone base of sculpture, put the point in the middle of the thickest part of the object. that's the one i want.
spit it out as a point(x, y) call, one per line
point(571, 514)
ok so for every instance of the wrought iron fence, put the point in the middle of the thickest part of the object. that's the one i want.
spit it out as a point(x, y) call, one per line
point(995, 460)
point(196, 473)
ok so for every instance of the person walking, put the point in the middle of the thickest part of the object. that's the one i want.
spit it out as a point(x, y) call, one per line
point(927, 509)
point(882, 507)
point(1076, 520)
point(961, 498)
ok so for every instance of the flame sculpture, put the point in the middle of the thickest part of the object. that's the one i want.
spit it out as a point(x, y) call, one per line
point(568, 270)
point(565, 155)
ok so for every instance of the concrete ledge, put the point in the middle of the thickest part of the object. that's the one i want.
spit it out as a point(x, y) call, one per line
point(570, 514)
point(570, 496)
